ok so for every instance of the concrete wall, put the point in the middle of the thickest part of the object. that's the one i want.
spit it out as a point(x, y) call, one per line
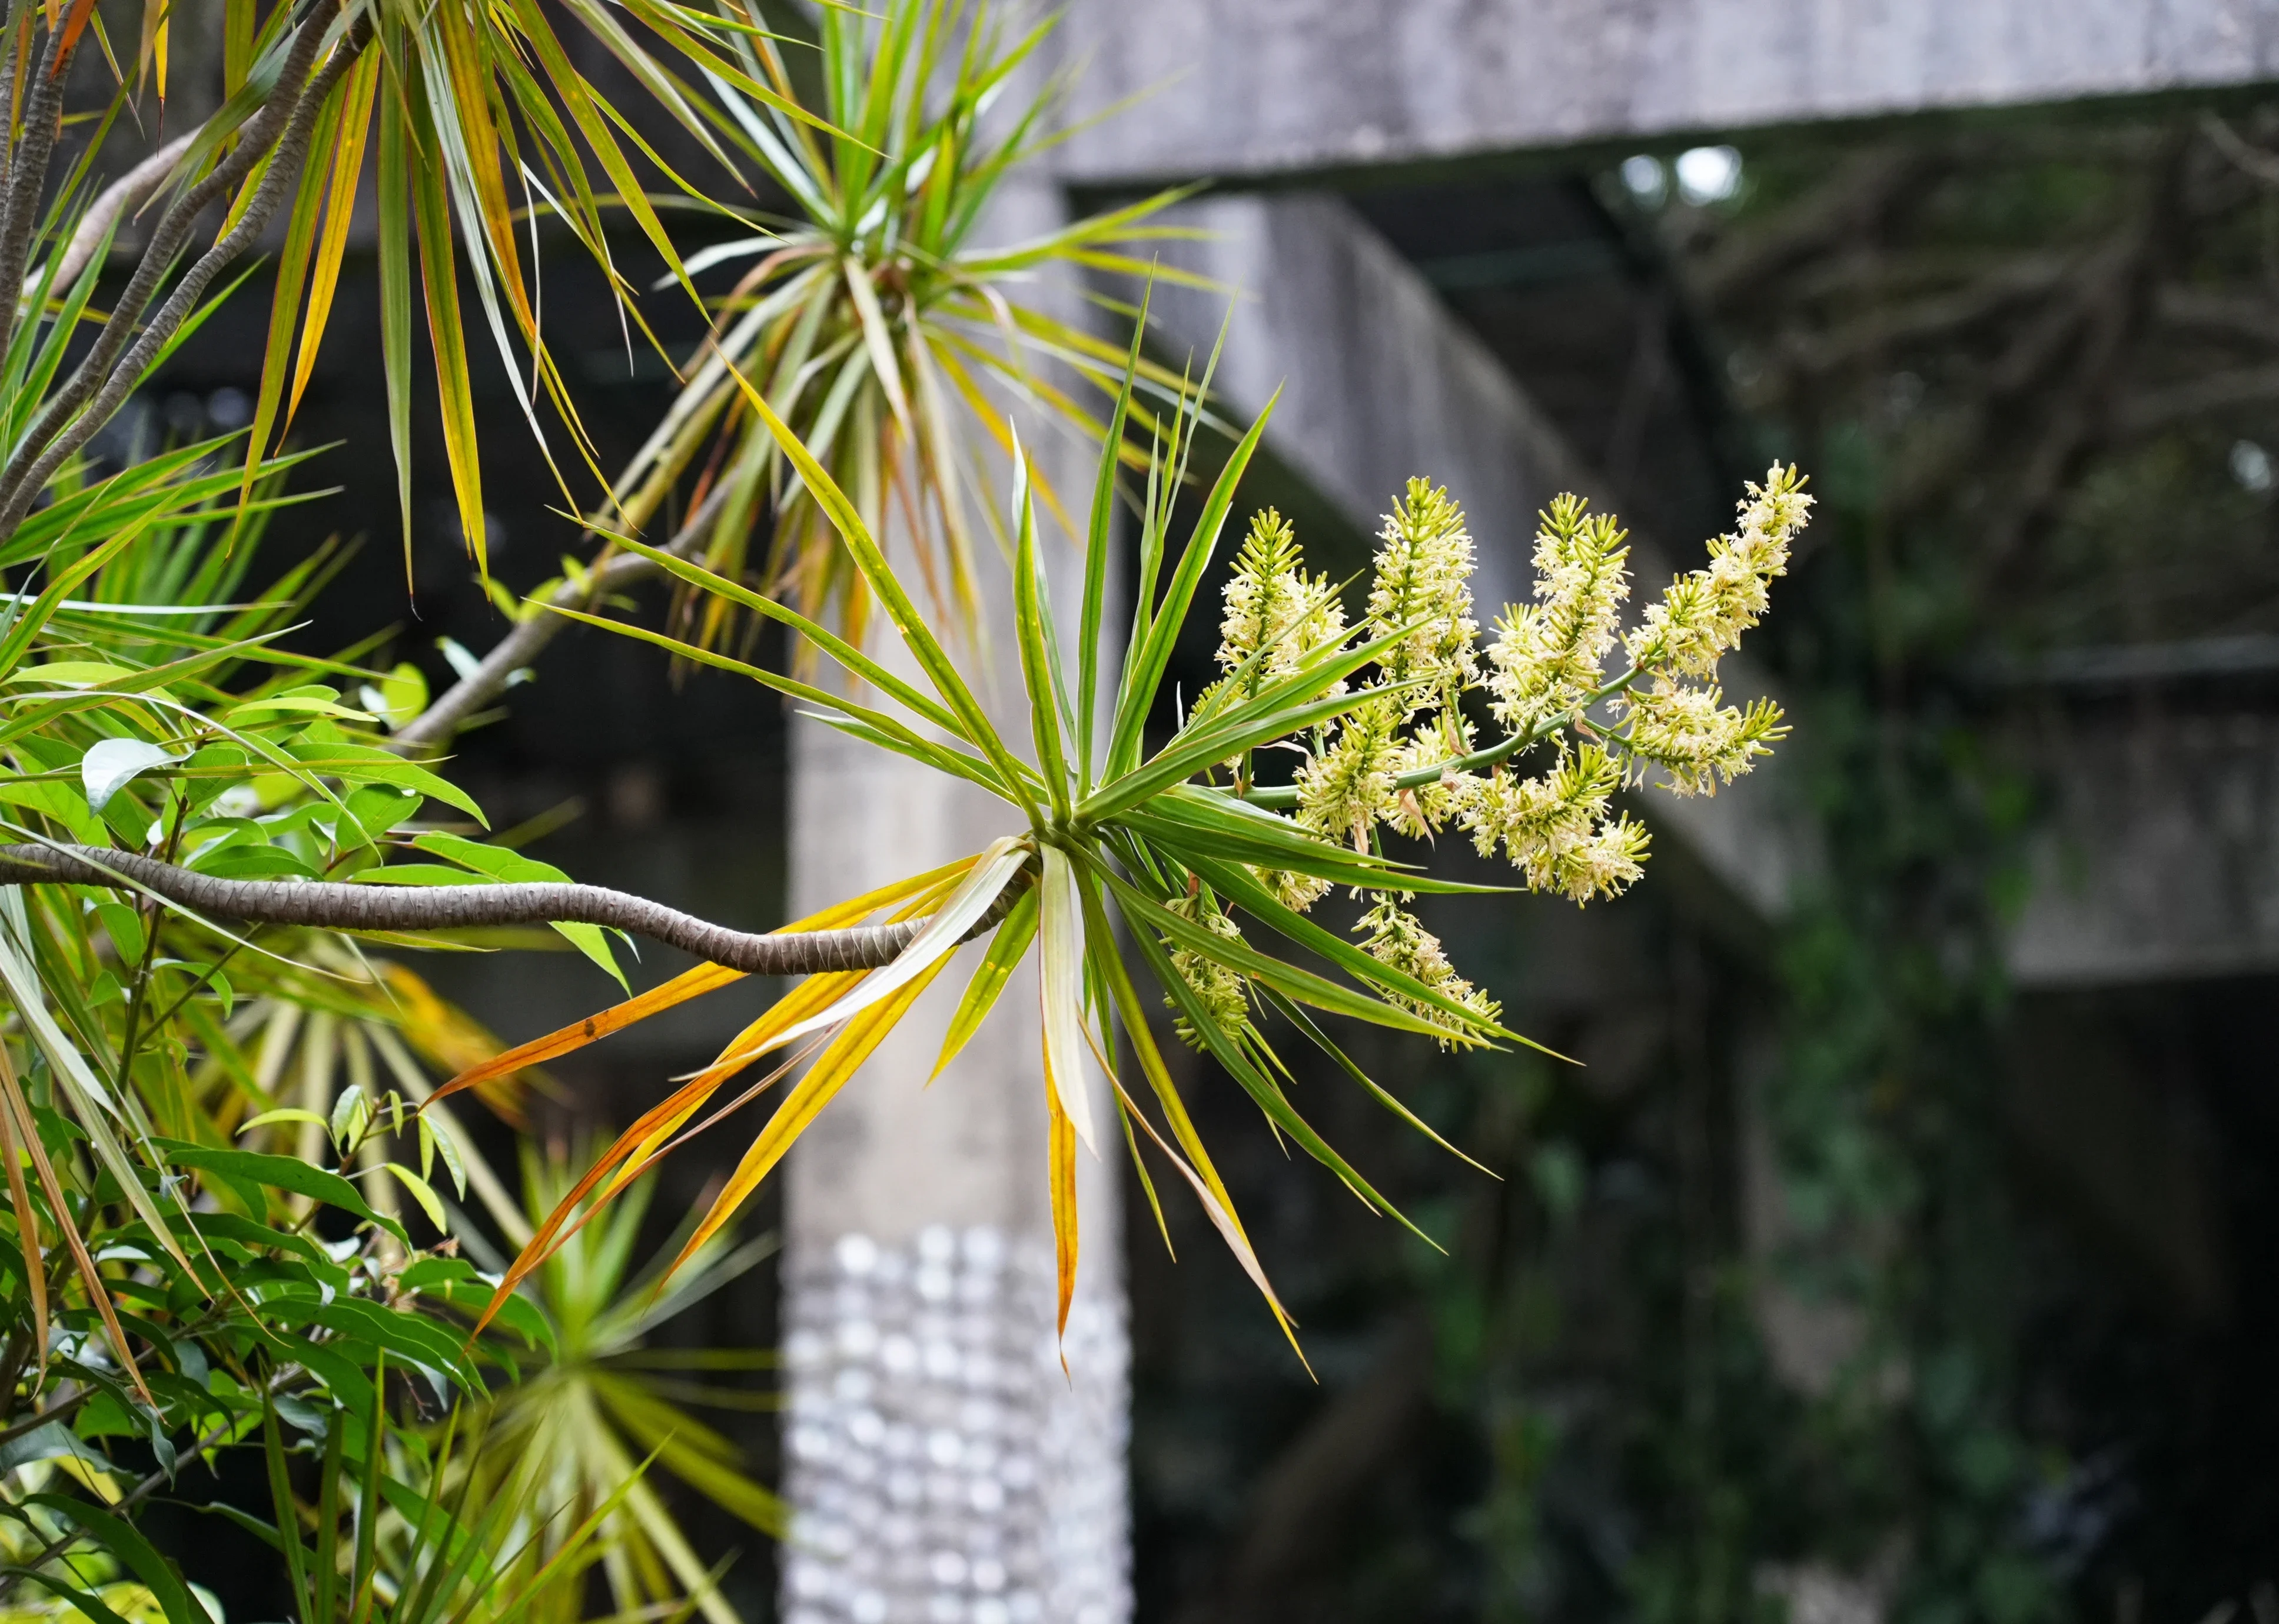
point(2159, 859)
point(1266, 87)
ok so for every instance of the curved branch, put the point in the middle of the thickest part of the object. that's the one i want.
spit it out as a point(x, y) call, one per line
point(118, 200)
point(432, 728)
point(329, 905)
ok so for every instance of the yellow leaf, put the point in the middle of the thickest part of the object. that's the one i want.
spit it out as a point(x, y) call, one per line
point(694, 983)
point(1059, 990)
point(98, 1290)
point(340, 207)
point(1060, 1156)
point(1222, 1219)
point(690, 983)
point(832, 1067)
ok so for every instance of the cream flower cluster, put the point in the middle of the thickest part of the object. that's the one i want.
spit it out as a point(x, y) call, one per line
point(1394, 936)
point(1274, 615)
point(1688, 732)
point(1548, 656)
point(1424, 560)
point(1406, 757)
point(1224, 993)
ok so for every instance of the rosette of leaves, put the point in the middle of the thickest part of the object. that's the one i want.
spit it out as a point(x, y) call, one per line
point(478, 120)
point(575, 1438)
point(1177, 851)
point(882, 323)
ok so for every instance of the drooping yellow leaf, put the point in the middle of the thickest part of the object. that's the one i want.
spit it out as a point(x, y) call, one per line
point(690, 983)
point(447, 334)
point(339, 209)
point(284, 302)
point(748, 1046)
point(150, 48)
point(1060, 1156)
point(28, 1226)
point(697, 982)
point(1222, 1220)
point(830, 1073)
point(450, 1039)
point(74, 24)
point(668, 1113)
point(1195, 1167)
point(636, 1149)
point(992, 872)
point(1060, 988)
point(98, 1291)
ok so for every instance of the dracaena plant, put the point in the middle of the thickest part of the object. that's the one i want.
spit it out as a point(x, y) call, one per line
point(476, 117)
point(1171, 849)
point(881, 325)
point(213, 1173)
point(1183, 849)
point(882, 322)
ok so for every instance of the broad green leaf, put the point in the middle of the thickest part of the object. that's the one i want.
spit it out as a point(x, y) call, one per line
point(288, 1173)
point(128, 1544)
point(422, 1191)
point(110, 764)
point(286, 1114)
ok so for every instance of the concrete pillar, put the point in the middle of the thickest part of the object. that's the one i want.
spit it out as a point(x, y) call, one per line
point(940, 1465)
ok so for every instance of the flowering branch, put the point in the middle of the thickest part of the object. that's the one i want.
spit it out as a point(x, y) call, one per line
point(1401, 753)
point(1283, 797)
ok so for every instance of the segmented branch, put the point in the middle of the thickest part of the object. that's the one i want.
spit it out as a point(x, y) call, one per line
point(103, 381)
point(330, 905)
point(113, 204)
point(433, 727)
point(28, 171)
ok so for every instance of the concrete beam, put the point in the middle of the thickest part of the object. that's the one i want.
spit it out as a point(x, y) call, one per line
point(1256, 87)
point(2159, 858)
